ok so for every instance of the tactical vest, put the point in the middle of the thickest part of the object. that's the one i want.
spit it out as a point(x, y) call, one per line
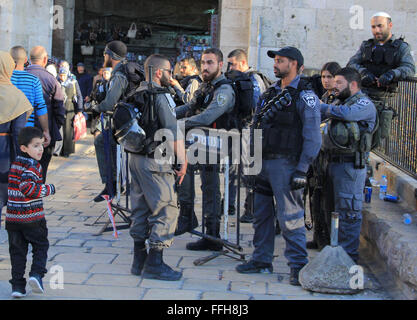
point(149, 122)
point(285, 135)
point(338, 132)
point(204, 96)
point(186, 81)
point(380, 59)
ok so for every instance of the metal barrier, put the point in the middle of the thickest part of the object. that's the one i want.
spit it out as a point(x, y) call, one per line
point(400, 149)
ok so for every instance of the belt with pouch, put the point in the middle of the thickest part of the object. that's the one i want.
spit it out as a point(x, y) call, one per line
point(273, 156)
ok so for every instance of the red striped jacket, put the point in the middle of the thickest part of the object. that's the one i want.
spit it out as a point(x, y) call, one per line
point(25, 193)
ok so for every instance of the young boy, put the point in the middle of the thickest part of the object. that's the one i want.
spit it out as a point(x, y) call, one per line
point(25, 218)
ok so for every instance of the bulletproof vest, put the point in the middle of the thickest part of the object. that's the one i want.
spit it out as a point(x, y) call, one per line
point(342, 137)
point(285, 134)
point(186, 81)
point(380, 59)
point(144, 100)
point(204, 96)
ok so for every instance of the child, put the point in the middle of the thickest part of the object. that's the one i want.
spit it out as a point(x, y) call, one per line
point(25, 219)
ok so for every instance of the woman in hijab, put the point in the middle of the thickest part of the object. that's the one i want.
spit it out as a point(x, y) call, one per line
point(15, 109)
point(73, 104)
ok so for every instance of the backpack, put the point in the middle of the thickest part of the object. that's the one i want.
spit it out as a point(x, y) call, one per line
point(267, 82)
point(243, 87)
point(315, 83)
point(135, 75)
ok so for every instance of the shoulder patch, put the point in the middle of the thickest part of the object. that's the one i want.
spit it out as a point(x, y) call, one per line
point(221, 99)
point(363, 102)
point(310, 99)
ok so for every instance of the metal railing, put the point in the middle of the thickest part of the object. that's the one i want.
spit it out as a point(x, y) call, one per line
point(400, 149)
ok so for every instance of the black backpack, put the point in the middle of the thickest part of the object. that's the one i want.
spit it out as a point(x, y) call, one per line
point(243, 88)
point(135, 75)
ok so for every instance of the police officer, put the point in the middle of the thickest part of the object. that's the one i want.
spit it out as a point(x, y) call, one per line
point(291, 141)
point(350, 123)
point(211, 106)
point(383, 60)
point(154, 205)
point(190, 82)
point(114, 57)
point(238, 60)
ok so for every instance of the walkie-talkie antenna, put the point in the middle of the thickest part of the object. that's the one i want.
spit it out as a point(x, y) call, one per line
point(150, 87)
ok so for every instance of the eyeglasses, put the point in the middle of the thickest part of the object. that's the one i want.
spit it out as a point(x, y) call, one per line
point(169, 70)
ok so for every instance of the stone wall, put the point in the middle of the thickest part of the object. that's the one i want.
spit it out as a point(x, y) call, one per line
point(26, 23)
point(319, 28)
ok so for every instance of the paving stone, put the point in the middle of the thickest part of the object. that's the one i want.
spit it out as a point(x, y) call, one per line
point(69, 278)
point(262, 277)
point(111, 268)
point(71, 266)
point(171, 294)
point(70, 242)
point(111, 292)
point(218, 263)
point(97, 243)
point(81, 257)
point(248, 287)
point(286, 289)
point(195, 273)
point(268, 297)
point(114, 280)
point(150, 283)
point(204, 285)
point(213, 295)
point(111, 250)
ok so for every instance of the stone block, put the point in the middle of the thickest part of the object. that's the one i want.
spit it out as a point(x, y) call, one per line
point(159, 284)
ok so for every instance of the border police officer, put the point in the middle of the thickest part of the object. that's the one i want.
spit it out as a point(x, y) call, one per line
point(350, 123)
point(291, 141)
point(154, 205)
point(211, 106)
point(383, 60)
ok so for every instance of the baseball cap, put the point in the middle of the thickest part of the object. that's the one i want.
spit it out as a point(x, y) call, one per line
point(289, 52)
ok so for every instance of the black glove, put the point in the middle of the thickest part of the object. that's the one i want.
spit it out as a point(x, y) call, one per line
point(368, 79)
point(386, 78)
point(298, 180)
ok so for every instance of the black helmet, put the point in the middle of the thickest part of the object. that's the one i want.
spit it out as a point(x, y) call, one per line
point(126, 128)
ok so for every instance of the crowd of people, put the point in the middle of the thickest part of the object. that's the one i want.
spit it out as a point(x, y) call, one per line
point(40, 100)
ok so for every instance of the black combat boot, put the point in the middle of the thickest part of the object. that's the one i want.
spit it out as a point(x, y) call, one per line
point(156, 268)
point(187, 220)
point(139, 257)
point(294, 272)
point(204, 244)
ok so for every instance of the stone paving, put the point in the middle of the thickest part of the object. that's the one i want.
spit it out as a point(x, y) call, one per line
point(98, 267)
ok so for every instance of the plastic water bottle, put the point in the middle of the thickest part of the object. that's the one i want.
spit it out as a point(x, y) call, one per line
point(374, 182)
point(407, 218)
point(383, 187)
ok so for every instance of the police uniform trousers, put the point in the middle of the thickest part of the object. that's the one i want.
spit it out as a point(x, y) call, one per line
point(210, 187)
point(153, 201)
point(348, 184)
point(289, 212)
